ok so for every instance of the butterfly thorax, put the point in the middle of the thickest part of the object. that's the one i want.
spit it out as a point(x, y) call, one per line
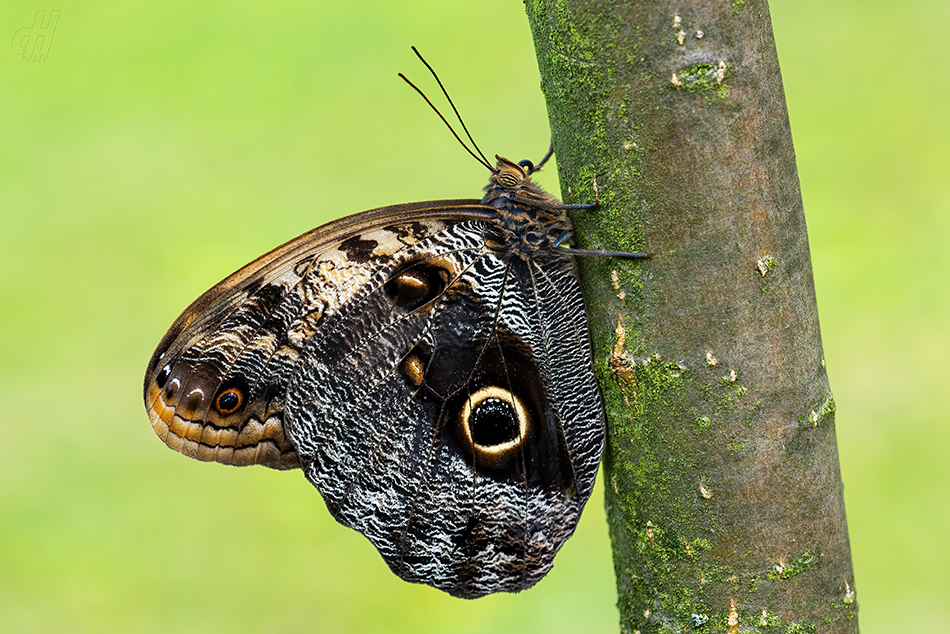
point(530, 219)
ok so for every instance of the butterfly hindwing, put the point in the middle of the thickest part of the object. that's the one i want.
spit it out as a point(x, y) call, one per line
point(441, 413)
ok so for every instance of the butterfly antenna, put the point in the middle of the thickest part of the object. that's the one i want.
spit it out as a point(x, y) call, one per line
point(447, 124)
point(546, 158)
point(454, 109)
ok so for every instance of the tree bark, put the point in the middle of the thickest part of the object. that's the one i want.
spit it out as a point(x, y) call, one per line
point(724, 494)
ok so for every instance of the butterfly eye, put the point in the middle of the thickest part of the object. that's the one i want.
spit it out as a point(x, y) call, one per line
point(229, 401)
point(508, 179)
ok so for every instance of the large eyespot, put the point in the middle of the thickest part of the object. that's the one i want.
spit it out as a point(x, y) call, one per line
point(416, 285)
point(494, 422)
point(229, 400)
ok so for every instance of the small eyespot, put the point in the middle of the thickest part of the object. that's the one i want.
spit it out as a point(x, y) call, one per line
point(414, 369)
point(171, 389)
point(411, 287)
point(163, 375)
point(416, 285)
point(229, 401)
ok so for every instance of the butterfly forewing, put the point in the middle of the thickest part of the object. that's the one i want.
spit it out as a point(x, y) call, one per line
point(215, 385)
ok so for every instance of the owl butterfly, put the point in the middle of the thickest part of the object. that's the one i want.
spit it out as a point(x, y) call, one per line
point(427, 365)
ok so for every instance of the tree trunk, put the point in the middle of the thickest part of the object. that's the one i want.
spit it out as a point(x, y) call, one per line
point(724, 494)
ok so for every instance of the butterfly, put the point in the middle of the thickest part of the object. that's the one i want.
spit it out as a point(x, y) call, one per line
point(427, 365)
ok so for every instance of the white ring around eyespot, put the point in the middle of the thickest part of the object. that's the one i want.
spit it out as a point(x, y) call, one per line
point(517, 405)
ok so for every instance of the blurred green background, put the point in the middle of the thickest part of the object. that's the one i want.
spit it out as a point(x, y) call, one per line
point(163, 145)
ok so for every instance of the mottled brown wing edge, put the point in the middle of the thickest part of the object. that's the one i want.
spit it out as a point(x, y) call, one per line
point(213, 306)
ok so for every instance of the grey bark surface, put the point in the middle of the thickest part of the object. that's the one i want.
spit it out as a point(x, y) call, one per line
point(724, 494)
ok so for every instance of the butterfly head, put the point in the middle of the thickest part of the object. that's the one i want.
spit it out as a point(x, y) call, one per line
point(510, 187)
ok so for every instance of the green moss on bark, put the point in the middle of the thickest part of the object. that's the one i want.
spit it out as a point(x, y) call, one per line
point(723, 497)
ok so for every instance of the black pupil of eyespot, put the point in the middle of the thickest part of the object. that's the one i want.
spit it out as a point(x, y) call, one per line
point(228, 401)
point(493, 422)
